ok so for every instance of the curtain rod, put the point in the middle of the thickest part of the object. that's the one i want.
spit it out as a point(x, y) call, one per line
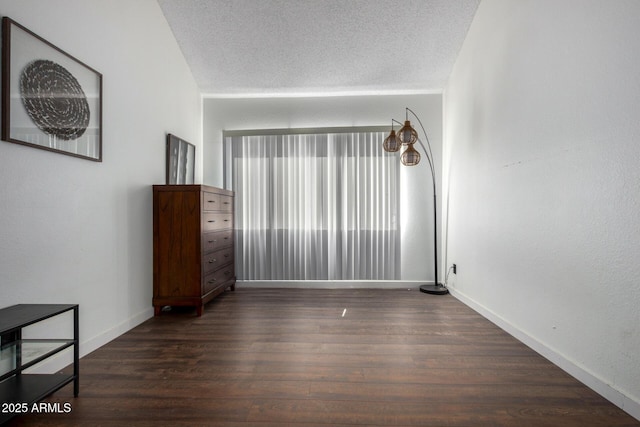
point(304, 131)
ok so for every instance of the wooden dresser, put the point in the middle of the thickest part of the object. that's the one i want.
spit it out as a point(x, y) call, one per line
point(193, 251)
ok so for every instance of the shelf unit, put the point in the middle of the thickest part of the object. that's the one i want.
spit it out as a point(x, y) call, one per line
point(18, 354)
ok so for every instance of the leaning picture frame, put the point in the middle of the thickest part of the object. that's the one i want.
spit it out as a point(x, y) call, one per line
point(181, 159)
point(50, 100)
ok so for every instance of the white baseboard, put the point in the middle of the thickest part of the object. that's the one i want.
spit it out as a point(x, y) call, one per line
point(624, 402)
point(98, 341)
point(331, 284)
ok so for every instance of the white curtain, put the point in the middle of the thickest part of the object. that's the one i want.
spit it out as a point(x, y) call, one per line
point(315, 206)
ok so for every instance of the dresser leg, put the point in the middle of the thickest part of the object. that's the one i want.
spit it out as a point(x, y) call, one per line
point(199, 310)
point(156, 310)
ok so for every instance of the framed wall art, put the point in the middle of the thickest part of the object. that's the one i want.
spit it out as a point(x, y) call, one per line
point(181, 159)
point(50, 100)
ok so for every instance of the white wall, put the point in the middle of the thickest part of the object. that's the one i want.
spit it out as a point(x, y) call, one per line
point(343, 111)
point(76, 231)
point(542, 180)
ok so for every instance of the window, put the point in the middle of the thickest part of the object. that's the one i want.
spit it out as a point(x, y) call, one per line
point(320, 206)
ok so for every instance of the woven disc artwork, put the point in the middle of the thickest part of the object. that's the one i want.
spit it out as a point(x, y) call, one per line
point(54, 99)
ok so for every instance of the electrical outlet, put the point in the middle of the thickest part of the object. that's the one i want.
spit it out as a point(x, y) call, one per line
point(455, 269)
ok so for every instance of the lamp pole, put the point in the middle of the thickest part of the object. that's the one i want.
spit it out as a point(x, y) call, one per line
point(436, 288)
point(394, 145)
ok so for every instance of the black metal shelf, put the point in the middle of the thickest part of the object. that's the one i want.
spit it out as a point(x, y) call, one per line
point(29, 389)
point(25, 349)
point(26, 389)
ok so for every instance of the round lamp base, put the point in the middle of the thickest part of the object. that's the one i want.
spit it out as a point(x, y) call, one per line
point(434, 289)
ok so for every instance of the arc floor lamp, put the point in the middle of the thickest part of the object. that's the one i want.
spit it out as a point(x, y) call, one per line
point(410, 157)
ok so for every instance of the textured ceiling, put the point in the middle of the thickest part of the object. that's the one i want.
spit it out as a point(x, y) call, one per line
point(294, 47)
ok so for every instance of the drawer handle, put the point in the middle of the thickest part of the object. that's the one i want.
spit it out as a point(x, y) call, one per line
point(226, 203)
point(211, 201)
point(211, 261)
point(226, 220)
point(212, 220)
point(212, 241)
point(226, 255)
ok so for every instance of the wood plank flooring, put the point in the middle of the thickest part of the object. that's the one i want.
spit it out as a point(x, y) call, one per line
point(294, 357)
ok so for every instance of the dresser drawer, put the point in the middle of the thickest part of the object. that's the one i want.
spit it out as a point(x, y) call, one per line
point(226, 203)
point(210, 201)
point(216, 202)
point(217, 259)
point(216, 240)
point(218, 278)
point(216, 221)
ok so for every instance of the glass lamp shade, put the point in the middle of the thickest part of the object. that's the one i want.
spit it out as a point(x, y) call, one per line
point(392, 143)
point(410, 157)
point(407, 134)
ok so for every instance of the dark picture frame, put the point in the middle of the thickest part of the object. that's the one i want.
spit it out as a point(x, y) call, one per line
point(50, 100)
point(181, 159)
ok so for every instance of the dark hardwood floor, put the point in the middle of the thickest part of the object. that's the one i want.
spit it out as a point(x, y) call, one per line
point(289, 357)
